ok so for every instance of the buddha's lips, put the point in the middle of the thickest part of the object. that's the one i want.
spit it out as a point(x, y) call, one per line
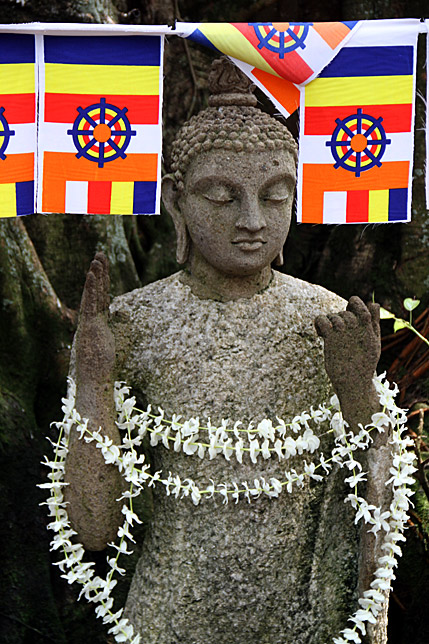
point(249, 243)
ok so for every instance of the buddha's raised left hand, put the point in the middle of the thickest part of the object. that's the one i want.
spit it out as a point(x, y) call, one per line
point(352, 352)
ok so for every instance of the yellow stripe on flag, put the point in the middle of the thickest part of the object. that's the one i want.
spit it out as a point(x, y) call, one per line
point(378, 206)
point(231, 42)
point(361, 90)
point(7, 200)
point(122, 198)
point(101, 79)
point(17, 78)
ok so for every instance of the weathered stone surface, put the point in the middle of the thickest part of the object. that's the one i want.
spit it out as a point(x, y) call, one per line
point(230, 339)
point(280, 571)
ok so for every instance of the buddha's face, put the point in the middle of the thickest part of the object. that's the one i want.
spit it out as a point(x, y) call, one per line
point(237, 207)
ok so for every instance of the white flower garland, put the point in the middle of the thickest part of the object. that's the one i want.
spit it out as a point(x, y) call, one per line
point(263, 440)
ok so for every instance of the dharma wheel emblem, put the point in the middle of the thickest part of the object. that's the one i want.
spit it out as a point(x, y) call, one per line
point(358, 143)
point(101, 133)
point(280, 37)
point(5, 134)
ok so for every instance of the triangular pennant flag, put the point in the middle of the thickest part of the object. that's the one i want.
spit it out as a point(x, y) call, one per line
point(294, 51)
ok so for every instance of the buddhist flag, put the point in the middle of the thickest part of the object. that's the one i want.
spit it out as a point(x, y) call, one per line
point(356, 130)
point(276, 56)
point(17, 124)
point(100, 126)
point(295, 51)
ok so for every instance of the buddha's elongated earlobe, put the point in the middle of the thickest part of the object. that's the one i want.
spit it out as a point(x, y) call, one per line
point(170, 198)
point(279, 259)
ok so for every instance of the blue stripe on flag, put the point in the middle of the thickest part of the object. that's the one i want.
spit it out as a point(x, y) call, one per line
point(24, 198)
point(103, 50)
point(398, 198)
point(350, 23)
point(371, 61)
point(144, 197)
point(199, 37)
point(16, 48)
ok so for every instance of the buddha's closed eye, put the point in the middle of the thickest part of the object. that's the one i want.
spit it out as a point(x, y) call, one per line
point(218, 194)
point(276, 194)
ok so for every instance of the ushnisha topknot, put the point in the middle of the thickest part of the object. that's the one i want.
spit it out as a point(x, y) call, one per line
point(231, 122)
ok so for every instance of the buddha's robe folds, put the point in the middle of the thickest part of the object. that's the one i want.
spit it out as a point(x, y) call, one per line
point(275, 571)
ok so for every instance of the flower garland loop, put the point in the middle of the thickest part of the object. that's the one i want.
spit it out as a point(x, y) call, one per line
point(263, 440)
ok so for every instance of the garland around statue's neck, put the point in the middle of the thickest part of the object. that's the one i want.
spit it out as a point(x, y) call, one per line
point(232, 441)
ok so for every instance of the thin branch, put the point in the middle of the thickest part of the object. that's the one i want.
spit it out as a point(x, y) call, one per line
point(30, 628)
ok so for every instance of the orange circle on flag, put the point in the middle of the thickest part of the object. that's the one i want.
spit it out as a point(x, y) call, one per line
point(358, 143)
point(102, 133)
point(280, 26)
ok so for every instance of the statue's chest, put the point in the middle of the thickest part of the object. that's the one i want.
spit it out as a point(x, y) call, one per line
point(242, 362)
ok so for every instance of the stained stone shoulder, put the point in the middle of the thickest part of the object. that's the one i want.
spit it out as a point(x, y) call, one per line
point(309, 298)
point(164, 300)
point(170, 292)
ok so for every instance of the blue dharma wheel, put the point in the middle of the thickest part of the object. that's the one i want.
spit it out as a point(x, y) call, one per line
point(101, 132)
point(5, 134)
point(358, 142)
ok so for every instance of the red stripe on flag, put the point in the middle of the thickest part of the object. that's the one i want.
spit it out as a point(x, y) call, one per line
point(357, 206)
point(62, 108)
point(322, 120)
point(292, 66)
point(99, 193)
point(19, 108)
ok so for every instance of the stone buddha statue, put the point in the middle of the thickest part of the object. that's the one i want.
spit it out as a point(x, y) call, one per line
point(228, 337)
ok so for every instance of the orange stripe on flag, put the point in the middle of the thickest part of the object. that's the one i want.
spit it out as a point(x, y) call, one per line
point(59, 167)
point(282, 90)
point(17, 167)
point(332, 32)
point(319, 178)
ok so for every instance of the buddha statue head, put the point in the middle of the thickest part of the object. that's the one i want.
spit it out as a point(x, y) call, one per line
point(231, 192)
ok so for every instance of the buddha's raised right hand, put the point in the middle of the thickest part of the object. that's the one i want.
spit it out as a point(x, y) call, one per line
point(94, 486)
point(95, 346)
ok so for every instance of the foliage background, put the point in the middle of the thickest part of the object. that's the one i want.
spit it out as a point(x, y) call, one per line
point(43, 261)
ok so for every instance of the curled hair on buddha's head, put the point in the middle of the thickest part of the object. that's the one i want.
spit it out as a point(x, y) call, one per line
point(231, 122)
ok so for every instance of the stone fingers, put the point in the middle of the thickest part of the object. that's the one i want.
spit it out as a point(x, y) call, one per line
point(356, 315)
point(96, 298)
point(339, 322)
point(104, 292)
point(323, 326)
point(360, 310)
point(88, 306)
point(350, 319)
point(374, 310)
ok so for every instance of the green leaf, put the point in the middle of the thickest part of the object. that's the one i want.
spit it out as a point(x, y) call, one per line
point(399, 324)
point(411, 304)
point(385, 314)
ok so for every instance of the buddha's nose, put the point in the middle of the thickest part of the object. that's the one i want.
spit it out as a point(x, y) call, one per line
point(251, 216)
